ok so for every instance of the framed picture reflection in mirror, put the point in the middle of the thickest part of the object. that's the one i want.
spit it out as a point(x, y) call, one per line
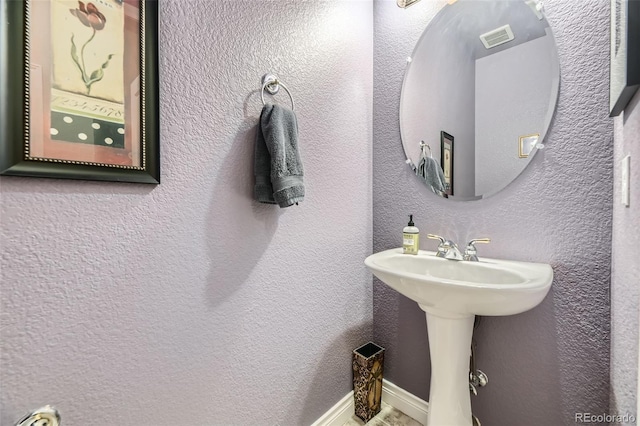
point(526, 144)
point(446, 160)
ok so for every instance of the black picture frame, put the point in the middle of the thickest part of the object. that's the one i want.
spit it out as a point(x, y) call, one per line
point(625, 54)
point(14, 105)
point(446, 160)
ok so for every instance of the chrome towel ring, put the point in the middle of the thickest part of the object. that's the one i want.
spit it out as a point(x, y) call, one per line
point(45, 416)
point(271, 84)
point(424, 145)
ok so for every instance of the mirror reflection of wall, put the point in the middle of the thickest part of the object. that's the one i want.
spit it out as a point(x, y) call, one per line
point(487, 98)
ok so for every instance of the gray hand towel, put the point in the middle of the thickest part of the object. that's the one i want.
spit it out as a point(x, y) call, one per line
point(262, 190)
point(431, 172)
point(277, 157)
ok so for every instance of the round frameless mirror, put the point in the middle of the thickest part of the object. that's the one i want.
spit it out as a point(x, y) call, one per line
point(478, 96)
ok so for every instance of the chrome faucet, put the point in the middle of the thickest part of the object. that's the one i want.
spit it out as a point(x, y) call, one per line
point(447, 249)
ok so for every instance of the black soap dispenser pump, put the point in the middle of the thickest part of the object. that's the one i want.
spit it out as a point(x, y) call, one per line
point(410, 238)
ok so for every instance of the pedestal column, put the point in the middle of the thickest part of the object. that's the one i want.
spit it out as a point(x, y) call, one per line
point(449, 346)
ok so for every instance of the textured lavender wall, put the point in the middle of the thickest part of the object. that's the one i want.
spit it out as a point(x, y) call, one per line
point(188, 303)
point(546, 364)
point(625, 268)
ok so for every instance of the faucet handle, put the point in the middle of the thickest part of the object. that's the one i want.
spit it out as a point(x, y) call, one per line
point(442, 247)
point(436, 237)
point(470, 252)
point(479, 240)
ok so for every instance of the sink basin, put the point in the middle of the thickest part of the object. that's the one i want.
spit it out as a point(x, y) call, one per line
point(489, 287)
point(452, 293)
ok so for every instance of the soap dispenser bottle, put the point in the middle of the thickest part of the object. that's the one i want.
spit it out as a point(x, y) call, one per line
point(410, 238)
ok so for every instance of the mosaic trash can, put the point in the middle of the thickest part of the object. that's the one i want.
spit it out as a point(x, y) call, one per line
point(368, 365)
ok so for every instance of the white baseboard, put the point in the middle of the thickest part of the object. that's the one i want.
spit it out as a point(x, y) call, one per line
point(339, 414)
point(393, 395)
point(404, 401)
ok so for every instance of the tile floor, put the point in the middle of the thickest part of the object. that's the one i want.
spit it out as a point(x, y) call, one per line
point(388, 416)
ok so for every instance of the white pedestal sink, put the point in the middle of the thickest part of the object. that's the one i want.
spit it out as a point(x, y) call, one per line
point(452, 293)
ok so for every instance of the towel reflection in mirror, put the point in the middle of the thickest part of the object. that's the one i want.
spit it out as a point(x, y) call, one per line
point(429, 170)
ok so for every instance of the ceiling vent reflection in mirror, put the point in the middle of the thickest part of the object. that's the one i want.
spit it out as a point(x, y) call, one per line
point(406, 3)
point(497, 37)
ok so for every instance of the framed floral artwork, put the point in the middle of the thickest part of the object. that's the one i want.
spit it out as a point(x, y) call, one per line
point(79, 90)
